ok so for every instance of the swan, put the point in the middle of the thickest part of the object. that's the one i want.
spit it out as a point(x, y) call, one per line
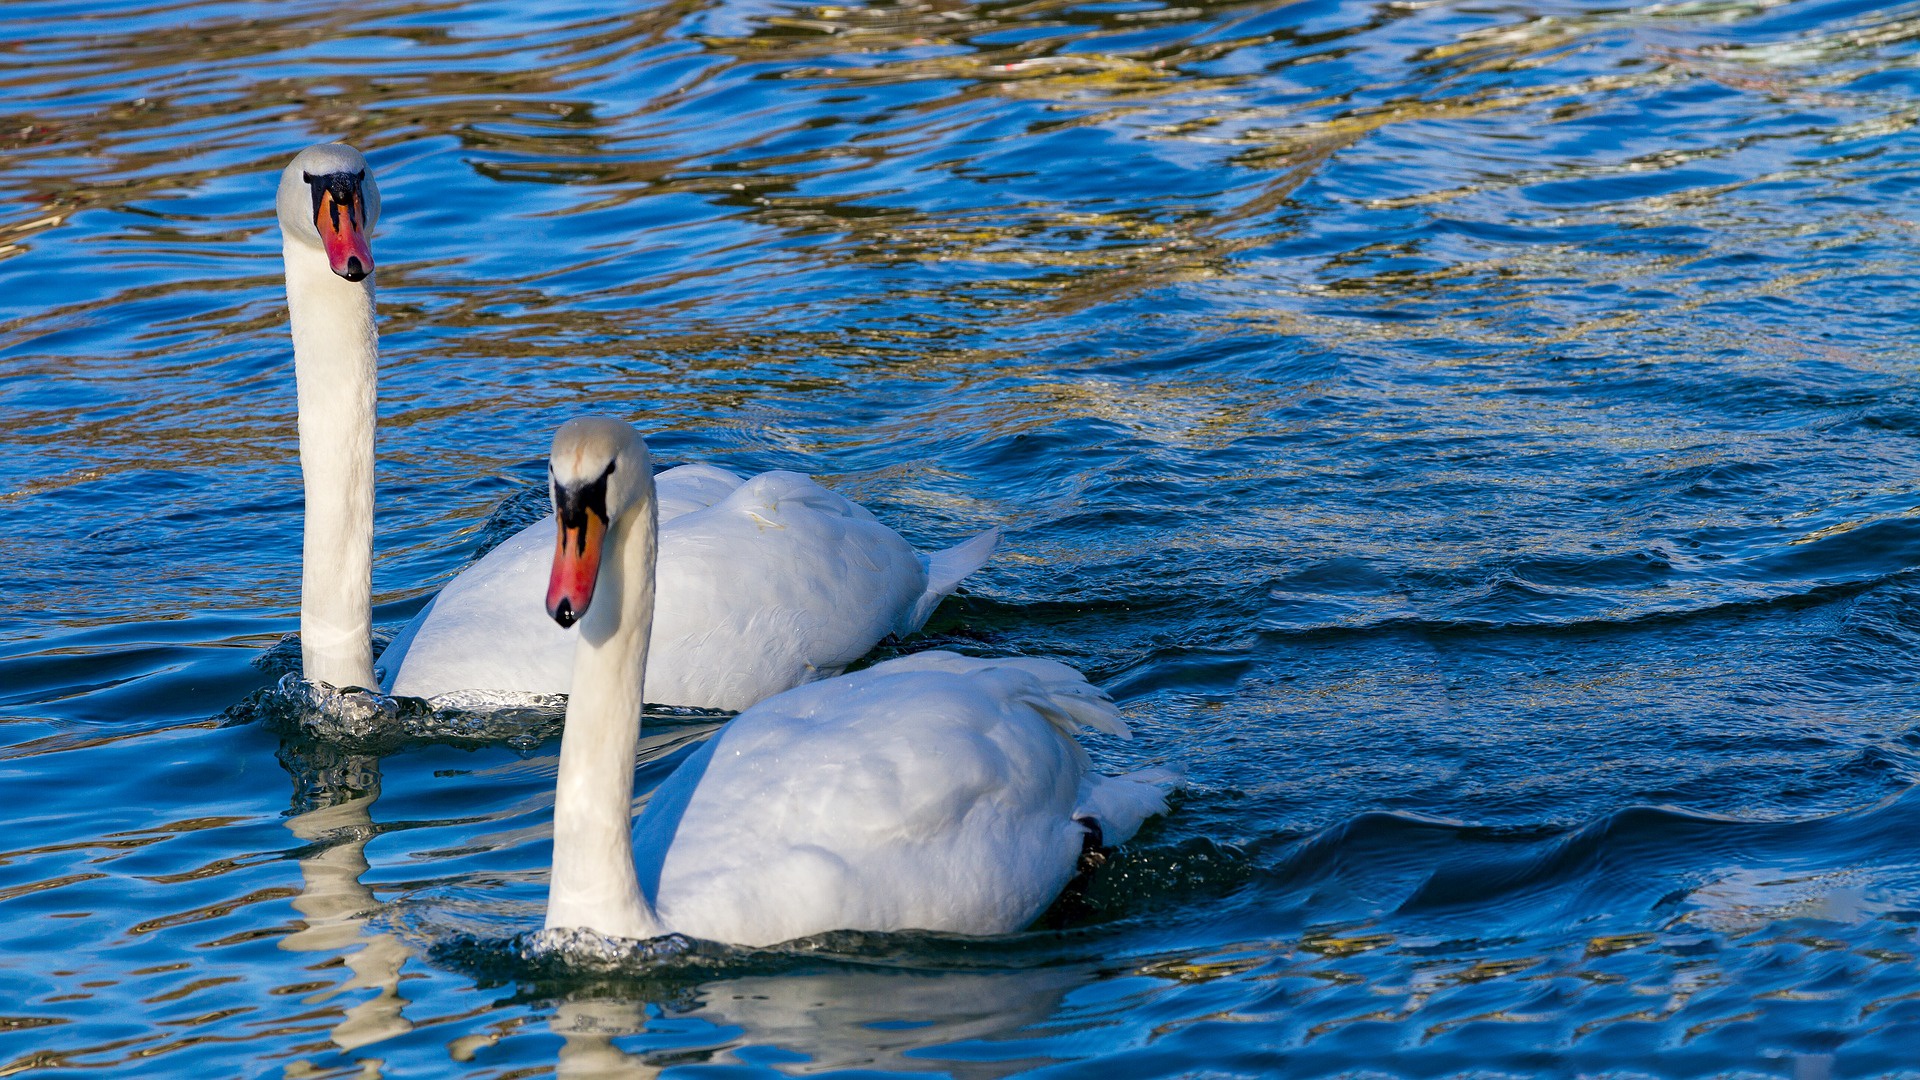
point(930, 792)
point(765, 582)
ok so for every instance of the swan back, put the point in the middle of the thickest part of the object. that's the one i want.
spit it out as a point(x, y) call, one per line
point(827, 582)
point(933, 791)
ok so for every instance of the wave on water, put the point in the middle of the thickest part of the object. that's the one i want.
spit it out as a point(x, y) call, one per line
point(1630, 869)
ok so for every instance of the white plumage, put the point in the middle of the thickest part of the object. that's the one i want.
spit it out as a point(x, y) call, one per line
point(932, 792)
point(764, 584)
point(935, 791)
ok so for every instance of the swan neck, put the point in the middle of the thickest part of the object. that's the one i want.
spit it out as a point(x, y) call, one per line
point(594, 885)
point(335, 360)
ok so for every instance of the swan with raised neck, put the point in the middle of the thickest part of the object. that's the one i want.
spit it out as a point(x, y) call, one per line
point(603, 501)
point(931, 792)
point(777, 581)
point(328, 204)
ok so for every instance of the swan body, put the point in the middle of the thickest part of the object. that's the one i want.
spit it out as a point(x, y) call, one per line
point(932, 792)
point(766, 582)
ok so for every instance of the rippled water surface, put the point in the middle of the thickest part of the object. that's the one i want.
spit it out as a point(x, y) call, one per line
point(1478, 441)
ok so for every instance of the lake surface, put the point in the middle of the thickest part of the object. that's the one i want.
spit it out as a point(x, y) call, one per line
point(1478, 442)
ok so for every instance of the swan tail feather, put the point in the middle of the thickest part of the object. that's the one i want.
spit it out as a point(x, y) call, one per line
point(1121, 804)
point(945, 570)
point(1065, 697)
point(1072, 707)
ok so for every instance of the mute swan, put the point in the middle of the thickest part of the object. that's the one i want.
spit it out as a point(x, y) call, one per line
point(932, 792)
point(764, 583)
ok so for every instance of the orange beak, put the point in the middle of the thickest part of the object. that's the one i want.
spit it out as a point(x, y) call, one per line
point(342, 222)
point(576, 565)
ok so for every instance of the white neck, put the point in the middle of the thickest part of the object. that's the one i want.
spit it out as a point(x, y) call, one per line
point(594, 886)
point(336, 354)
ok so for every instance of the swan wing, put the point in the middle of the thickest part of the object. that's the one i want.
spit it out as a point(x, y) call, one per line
point(931, 792)
point(686, 488)
point(781, 582)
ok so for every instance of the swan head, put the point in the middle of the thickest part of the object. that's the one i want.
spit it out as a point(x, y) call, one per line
point(599, 471)
point(329, 203)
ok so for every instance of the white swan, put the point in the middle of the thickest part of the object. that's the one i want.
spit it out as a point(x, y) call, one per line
point(933, 792)
point(764, 583)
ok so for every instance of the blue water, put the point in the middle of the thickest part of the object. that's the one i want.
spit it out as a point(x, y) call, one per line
point(1478, 442)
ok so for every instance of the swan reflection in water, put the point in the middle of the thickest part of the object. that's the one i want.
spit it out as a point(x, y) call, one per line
point(334, 793)
point(850, 1018)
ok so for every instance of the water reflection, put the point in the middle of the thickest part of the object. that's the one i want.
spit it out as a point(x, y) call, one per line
point(588, 1028)
point(334, 794)
point(846, 1018)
